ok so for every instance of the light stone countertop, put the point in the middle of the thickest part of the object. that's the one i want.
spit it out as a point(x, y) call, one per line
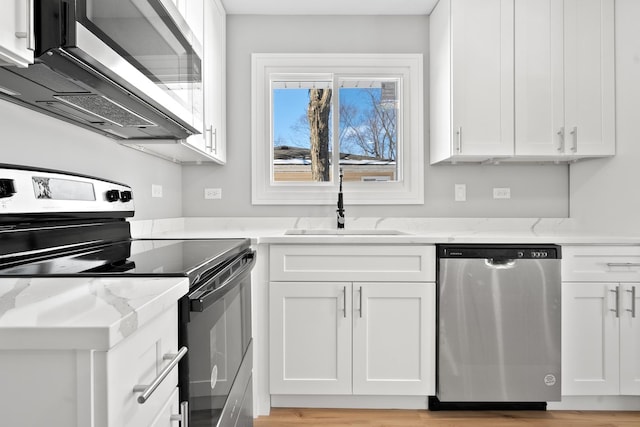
point(80, 313)
point(271, 230)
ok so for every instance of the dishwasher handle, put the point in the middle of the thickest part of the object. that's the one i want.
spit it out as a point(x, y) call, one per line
point(500, 263)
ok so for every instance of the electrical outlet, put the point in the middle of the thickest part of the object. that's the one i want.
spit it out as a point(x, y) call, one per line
point(460, 192)
point(156, 190)
point(213, 193)
point(502, 193)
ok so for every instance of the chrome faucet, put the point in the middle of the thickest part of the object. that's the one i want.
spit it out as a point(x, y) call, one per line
point(340, 210)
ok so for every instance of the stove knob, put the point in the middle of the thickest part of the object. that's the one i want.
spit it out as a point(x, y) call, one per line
point(125, 196)
point(7, 189)
point(113, 195)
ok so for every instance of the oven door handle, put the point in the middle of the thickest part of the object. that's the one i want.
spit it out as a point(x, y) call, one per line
point(207, 299)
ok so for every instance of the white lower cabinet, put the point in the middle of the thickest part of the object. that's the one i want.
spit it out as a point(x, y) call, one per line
point(351, 337)
point(600, 321)
point(95, 388)
point(137, 361)
point(601, 339)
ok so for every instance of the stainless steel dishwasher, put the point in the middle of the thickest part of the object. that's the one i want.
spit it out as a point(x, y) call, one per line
point(498, 325)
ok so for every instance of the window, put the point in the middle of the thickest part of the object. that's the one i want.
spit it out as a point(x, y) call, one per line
point(313, 115)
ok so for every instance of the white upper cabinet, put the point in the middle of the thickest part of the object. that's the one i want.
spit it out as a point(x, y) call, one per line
point(564, 78)
point(207, 21)
point(471, 80)
point(589, 77)
point(215, 97)
point(17, 41)
point(522, 80)
point(539, 77)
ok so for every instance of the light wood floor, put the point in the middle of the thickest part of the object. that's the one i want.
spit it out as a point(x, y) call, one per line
point(283, 417)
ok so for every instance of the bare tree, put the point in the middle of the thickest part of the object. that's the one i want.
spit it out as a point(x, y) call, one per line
point(372, 131)
point(318, 115)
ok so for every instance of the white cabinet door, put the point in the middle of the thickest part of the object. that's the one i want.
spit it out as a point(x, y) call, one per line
point(590, 339)
point(589, 77)
point(472, 79)
point(16, 33)
point(539, 78)
point(394, 338)
point(482, 88)
point(310, 337)
point(629, 339)
point(213, 36)
point(215, 80)
point(137, 361)
point(564, 78)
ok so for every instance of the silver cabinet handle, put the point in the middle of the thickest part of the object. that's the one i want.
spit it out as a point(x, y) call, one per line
point(360, 298)
point(183, 416)
point(344, 301)
point(633, 301)
point(208, 137)
point(147, 390)
point(459, 140)
point(574, 132)
point(18, 4)
point(29, 35)
point(560, 134)
point(617, 309)
point(211, 143)
point(623, 264)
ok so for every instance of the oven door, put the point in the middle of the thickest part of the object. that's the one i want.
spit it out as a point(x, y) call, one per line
point(216, 327)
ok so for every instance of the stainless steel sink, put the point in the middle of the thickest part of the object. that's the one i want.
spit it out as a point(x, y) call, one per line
point(342, 232)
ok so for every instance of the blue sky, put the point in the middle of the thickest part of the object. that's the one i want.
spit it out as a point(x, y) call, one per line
point(290, 104)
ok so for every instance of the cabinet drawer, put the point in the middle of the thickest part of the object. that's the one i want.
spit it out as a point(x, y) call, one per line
point(601, 263)
point(138, 360)
point(378, 263)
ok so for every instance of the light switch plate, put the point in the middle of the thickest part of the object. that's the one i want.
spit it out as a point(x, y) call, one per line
point(156, 190)
point(460, 192)
point(213, 193)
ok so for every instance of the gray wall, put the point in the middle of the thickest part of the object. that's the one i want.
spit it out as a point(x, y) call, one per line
point(604, 193)
point(33, 139)
point(537, 190)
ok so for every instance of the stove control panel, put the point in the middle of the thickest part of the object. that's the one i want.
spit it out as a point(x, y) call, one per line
point(24, 191)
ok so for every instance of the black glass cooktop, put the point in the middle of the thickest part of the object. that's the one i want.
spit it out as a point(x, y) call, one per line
point(137, 257)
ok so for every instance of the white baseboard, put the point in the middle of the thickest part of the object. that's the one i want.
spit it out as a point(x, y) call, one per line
point(349, 401)
point(596, 403)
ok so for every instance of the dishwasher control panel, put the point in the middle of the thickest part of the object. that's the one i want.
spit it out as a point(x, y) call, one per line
point(500, 251)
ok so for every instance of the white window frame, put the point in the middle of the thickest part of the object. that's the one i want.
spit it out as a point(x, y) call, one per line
point(407, 190)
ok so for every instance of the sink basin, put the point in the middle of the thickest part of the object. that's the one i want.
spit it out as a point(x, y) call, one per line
point(341, 232)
